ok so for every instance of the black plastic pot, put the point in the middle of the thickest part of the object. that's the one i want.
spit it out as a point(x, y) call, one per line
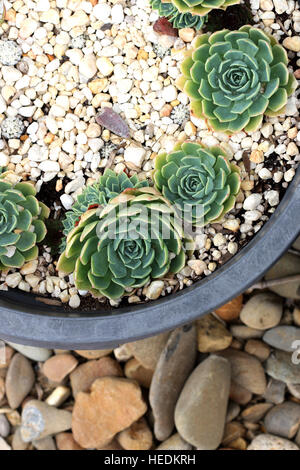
point(27, 321)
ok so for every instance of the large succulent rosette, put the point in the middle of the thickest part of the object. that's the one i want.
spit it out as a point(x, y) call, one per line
point(235, 77)
point(201, 7)
point(178, 19)
point(21, 223)
point(198, 180)
point(135, 238)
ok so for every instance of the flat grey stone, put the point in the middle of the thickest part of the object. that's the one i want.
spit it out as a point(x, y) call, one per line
point(283, 420)
point(35, 354)
point(288, 265)
point(280, 366)
point(283, 337)
point(275, 392)
point(175, 364)
point(19, 380)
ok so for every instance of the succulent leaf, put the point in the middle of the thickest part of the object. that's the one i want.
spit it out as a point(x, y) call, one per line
point(21, 223)
point(197, 177)
point(130, 241)
point(235, 77)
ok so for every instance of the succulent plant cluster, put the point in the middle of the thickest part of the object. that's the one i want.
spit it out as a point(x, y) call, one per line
point(198, 7)
point(132, 240)
point(235, 77)
point(200, 181)
point(21, 223)
point(178, 19)
point(110, 184)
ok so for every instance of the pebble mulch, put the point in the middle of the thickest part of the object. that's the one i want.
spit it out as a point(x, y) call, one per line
point(65, 60)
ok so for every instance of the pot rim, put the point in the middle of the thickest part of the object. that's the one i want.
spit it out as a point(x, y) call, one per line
point(26, 321)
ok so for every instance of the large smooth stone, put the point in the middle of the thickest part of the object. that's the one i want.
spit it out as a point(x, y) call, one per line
point(200, 412)
point(174, 366)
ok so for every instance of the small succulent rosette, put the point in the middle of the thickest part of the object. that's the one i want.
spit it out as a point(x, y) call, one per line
point(200, 7)
point(132, 240)
point(110, 184)
point(22, 223)
point(199, 181)
point(235, 77)
point(178, 19)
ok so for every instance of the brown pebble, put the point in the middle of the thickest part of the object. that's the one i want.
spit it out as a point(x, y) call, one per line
point(17, 441)
point(45, 444)
point(84, 375)
point(137, 437)
point(94, 354)
point(231, 310)
point(66, 441)
point(239, 394)
point(2, 388)
point(239, 444)
point(257, 348)
point(134, 370)
point(255, 413)
point(113, 445)
point(112, 405)
point(147, 351)
point(232, 431)
point(212, 335)
point(246, 370)
point(56, 368)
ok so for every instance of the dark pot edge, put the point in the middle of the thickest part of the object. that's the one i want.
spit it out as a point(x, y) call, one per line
point(39, 325)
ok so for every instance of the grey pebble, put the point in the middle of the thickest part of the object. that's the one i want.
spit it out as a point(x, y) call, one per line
point(283, 337)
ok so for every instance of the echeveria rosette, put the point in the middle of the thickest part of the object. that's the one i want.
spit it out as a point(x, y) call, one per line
point(106, 259)
point(201, 7)
point(178, 19)
point(235, 77)
point(195, 177)
point(21, 223)
point(110, 184)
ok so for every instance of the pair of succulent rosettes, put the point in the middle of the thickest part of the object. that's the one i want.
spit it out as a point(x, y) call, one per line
point(122, 232)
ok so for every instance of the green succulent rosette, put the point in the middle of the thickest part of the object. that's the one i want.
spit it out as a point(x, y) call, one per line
point(178, 19)
point(201, 7)
point(235, 77)
point(133, 239)
point(21, 222)
point(110, 184)
point(195, 177)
